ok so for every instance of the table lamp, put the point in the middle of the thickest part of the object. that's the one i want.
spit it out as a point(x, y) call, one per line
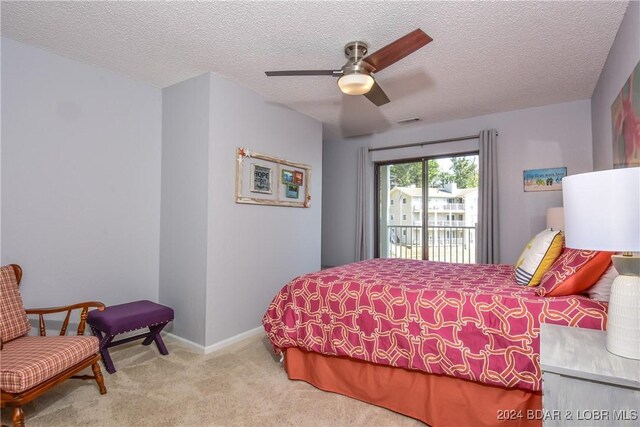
point(602, 212)
point(555, 218)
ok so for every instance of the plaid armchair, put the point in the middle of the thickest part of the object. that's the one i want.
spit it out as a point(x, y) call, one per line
point(32, 365)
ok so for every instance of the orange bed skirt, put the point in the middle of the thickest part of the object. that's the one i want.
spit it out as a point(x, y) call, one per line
point(437, 400)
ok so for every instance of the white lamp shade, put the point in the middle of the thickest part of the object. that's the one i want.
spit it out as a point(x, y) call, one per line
point(355, 84)
point(602, 210)
point(555, 218)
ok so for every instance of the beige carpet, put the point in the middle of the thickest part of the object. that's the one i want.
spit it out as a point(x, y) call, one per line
point(241, 385)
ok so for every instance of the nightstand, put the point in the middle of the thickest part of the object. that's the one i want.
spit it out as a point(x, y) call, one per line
point(582, 383)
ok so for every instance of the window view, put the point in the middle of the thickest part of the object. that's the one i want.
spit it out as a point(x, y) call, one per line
point(440, 228)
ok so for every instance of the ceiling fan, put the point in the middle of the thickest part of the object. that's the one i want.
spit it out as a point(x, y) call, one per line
point(355, 77)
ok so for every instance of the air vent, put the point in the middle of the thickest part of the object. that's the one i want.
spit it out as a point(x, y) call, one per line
point(411, 120)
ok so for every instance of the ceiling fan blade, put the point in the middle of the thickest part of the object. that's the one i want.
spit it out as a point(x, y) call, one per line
point(334, 73)
point(395, 51)
point(377, 95)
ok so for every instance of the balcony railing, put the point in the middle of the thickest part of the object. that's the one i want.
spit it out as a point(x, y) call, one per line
point(446, 223)
point(444, 243)
point(446, 206)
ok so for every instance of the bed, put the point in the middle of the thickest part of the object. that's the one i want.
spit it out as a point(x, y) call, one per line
point(448, 344)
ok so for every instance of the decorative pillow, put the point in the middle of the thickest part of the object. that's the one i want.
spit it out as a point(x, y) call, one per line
point(575, 271)
point(13, 318)
point(601, 291)
point(538, 255)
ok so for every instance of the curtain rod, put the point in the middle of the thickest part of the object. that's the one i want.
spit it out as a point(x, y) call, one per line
point(420, 144)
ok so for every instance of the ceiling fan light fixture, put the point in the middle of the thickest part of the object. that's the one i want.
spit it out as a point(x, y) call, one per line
point(355, 84)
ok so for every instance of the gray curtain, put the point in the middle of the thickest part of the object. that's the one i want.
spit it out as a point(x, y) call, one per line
point(488, 238)
point(363, 234)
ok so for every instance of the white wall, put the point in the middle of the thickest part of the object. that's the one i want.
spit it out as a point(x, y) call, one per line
point(550, 136)
point(255, 250)
point(80, 179)
point(183, 219)
point(622, 59)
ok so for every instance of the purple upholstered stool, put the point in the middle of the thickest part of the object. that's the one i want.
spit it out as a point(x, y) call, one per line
point(121, 318)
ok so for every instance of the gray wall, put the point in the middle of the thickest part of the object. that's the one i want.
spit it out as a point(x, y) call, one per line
point(221, 263)
point(255, 250)
point(183, 219)
point(1, 42)
point(622, 59)
point(550, 136)
point(113, 190)
point(80, 179)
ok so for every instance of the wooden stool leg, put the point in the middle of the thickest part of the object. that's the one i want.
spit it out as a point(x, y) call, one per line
point(18, 417)
point(105, 341)
point(154, 332)
point(148, 340)
point(106, 357)
point(95, 367)
point(160, 344)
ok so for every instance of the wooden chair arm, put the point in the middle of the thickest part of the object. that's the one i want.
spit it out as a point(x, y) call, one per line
point(50, 310)
point(83, 306)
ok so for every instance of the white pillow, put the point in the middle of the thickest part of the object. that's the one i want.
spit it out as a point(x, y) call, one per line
point(602, 288)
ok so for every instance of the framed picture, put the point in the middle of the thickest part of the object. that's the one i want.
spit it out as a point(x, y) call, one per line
point(544, 179)
point(287, 176)
point(261, 179)
point(625, 123)
point(292, 191)
point(257, 180)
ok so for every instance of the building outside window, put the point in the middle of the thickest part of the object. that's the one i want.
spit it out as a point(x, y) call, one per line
point(433, 218)
point(451, 217)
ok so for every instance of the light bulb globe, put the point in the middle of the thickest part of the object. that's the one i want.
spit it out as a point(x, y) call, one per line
point(355, 84)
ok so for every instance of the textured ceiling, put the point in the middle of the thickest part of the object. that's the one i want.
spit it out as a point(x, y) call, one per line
point(486, 56)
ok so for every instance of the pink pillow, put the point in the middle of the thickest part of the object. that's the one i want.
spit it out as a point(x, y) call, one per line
point(573, 272)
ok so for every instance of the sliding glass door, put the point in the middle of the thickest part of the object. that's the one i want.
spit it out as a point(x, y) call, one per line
point(427, 208)
point(400, 213)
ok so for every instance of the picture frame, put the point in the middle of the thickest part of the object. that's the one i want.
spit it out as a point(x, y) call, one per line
point(257, 180)
point(292, 191)
point(625, 111)
point(261, 179)
point(287, 176)
point(549, 179)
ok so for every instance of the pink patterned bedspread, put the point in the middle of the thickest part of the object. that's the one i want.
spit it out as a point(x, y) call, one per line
point(464, 320)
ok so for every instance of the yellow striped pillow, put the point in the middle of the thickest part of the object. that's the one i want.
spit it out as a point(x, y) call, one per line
point(538, 256)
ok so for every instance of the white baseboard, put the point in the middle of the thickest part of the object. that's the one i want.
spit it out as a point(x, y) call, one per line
point(219, 345)
point(71, 330)
point(185, 342)
point(237, 338)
